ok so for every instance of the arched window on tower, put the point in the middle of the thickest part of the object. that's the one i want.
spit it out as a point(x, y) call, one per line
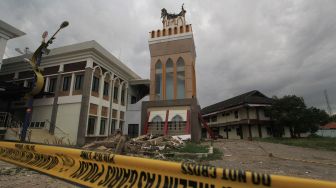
point(158, 80)
point(157, 123)
point(180, 73)
point(177, 122)
point(187, 28)
point(169, 79)
point(181, 29)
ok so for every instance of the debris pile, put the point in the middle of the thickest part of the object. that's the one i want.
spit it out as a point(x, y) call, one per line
point(145, 145)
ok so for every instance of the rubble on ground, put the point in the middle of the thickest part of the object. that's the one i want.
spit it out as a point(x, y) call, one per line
point(154, 146)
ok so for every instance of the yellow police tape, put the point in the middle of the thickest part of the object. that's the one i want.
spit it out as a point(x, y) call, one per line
point(102, 169)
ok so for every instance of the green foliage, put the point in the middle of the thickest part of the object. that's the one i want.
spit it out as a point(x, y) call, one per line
point(332, 118)
point(194, 148)
point(217, 155)
point(291, 111)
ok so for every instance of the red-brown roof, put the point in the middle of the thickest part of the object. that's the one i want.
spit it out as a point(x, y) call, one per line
point(331, 125)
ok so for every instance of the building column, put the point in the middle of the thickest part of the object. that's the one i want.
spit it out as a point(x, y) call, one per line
point(3, 43)
point(111, 105)
point(100, 97)
point(166, 124)
point(46, 85)
point(241, 132)
point(258, 122)
point(55, 103)
point(72, 83)
point(248, 122)
point(84, 110)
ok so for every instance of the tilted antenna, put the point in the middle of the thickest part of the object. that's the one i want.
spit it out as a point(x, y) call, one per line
point(327, 100)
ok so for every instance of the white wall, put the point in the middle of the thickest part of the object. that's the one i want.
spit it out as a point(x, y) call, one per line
point(133, 115)
point(233, 133)
point(254, 131)
point(3, 43)
point(67, 120)
point(41, 113)
point(287, 132)
point(327, 133)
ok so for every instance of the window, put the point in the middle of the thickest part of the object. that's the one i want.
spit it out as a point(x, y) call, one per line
point(66, 83)
point(37, 124)
point(236, 114)
point(32, 124)
point(266, 114)
point(180, 78)
point(115, 93)
point(181, 29)
point(133, 100)
point(79, 82)
point(106, 89)
point(177, 121)
point(114, 113)
point(91, 126)
point(122, 115)
point(169, 79)
point(123, 96)
point(113, 125)
point(157, 122)
point(213, 118)
point(52, 85)
point(269, 130)
point(102, 126)
point(121, 126)
point(95, 84)
point(227, 129)
point(42, 124)
point(158, 80)
point(29, 83)
point(238, 131)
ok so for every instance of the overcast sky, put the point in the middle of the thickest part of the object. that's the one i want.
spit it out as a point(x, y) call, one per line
point(276, 47)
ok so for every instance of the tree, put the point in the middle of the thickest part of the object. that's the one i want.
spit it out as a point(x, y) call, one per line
point(332, 118)
point(314, 118)
point(291, 111)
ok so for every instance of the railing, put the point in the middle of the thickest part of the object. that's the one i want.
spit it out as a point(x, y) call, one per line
point(5, 118)
point(47, 126)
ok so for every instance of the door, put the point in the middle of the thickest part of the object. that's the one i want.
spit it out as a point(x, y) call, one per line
point(133, 130)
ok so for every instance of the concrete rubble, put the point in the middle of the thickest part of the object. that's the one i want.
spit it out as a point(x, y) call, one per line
point(144, 145)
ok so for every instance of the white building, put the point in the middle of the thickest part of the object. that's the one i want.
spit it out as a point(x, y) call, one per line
point(241, 117)
point(7, 32)
point(84, 98)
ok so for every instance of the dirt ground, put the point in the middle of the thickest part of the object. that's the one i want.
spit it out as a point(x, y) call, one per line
point(13, 176)
point(237, 154)
point(254, 156)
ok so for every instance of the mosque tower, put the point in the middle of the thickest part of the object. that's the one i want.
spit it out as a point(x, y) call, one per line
point(173, 107)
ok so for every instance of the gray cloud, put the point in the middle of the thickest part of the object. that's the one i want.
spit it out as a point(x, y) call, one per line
point(277, 47)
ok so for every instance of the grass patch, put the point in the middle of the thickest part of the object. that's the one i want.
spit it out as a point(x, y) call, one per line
point(315, 142)
point(217, 155)
point(193, 148)
point(190, 149)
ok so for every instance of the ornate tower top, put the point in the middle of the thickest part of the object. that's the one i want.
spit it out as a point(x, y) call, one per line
point(174, 25)
point(172, 20)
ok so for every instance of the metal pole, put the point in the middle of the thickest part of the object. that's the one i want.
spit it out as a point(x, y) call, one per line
point(35, 62)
